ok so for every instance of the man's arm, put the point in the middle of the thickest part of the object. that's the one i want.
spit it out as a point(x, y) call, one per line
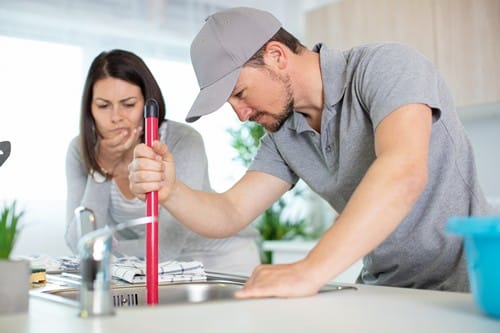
point(384, 197)
point(206, 213)
point(224, 214)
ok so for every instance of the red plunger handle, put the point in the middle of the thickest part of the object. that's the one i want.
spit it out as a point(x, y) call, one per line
point(151, 114)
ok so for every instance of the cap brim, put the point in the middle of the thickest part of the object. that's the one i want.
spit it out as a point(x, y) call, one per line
point(212, 97)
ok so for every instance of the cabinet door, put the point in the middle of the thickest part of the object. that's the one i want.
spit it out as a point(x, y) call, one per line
point(461, 37)
point(468, 48)
point(349, 23)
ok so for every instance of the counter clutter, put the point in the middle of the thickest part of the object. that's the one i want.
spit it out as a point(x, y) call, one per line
point(373, 309)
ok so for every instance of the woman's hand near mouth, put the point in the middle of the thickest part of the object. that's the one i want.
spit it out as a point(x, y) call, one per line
point(116, 147)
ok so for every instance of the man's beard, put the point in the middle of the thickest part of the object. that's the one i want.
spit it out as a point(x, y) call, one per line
point(285, 113)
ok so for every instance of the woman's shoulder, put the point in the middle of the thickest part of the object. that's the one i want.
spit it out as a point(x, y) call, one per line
point(74, 145)
point(173, 131)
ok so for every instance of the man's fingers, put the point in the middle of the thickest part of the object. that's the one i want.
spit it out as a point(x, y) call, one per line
point(162, 150)
point(280, 280)
point(145, 169)
point(150, 169)
point(143, 151)
point(144, 187)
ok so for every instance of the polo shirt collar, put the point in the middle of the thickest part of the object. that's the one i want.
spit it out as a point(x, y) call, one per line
point(333, 73)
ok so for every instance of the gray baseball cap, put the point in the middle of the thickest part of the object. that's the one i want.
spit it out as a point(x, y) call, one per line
point(227, 40)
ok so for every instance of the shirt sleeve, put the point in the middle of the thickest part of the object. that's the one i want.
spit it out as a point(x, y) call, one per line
point(392, 75)
point(269, 160)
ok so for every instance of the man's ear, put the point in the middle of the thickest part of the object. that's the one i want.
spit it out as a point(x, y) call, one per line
point(275, 55)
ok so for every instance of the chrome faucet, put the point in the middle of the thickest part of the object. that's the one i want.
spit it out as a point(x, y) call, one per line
point(95, 250)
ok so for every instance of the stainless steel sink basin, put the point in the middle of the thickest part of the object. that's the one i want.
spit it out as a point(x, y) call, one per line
point(173, 293)
point(217, 287)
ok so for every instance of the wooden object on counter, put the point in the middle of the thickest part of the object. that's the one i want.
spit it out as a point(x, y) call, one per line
point(38, 277)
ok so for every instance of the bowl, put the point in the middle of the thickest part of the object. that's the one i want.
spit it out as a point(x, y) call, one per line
point(482, 249)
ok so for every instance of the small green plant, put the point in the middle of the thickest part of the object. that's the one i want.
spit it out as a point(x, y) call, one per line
point(246, 141)
point(9, 229)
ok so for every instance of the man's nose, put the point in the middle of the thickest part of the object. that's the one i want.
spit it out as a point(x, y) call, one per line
point(242, 110)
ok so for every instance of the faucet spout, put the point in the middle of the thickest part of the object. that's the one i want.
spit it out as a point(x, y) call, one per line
point(95, 250)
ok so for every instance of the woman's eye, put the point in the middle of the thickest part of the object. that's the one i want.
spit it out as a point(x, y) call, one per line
point(239, 94)
point(102, 106)
point(130, 106)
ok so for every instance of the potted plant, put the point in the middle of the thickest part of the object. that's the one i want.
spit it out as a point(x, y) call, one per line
point(14, 274)
point(274, 224)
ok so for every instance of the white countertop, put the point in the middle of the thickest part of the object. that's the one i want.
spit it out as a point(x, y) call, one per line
point(369, 309)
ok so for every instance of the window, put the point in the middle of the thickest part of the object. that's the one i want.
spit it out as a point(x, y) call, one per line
point(40, 85)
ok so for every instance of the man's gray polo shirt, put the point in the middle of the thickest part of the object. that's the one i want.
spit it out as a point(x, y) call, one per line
point(361, 86)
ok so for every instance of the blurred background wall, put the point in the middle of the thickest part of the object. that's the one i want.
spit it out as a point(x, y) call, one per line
point(47, 46)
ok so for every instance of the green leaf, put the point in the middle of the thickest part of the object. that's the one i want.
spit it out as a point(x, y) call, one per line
point(9, 228)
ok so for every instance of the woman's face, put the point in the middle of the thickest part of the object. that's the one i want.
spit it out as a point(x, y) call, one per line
point(117, 107)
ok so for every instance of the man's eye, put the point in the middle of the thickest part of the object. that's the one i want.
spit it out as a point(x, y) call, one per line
point(239, 94)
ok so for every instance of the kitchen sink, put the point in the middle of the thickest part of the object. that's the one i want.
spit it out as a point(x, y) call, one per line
point(216, 287)
point(172, 293)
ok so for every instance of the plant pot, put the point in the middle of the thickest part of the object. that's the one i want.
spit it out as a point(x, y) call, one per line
point(14, 286)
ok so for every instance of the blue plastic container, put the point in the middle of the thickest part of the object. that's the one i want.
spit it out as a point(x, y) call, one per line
point(482, 250)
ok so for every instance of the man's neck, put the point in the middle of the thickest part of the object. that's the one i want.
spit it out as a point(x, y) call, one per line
point(308, 87)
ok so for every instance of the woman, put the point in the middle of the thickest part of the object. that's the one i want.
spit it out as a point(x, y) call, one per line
point(111, 125)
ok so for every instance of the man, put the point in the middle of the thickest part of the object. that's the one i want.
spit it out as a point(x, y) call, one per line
point(373, 130)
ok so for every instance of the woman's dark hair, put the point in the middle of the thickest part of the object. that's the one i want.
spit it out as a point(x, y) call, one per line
point(118, 64)
point(281, 36)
